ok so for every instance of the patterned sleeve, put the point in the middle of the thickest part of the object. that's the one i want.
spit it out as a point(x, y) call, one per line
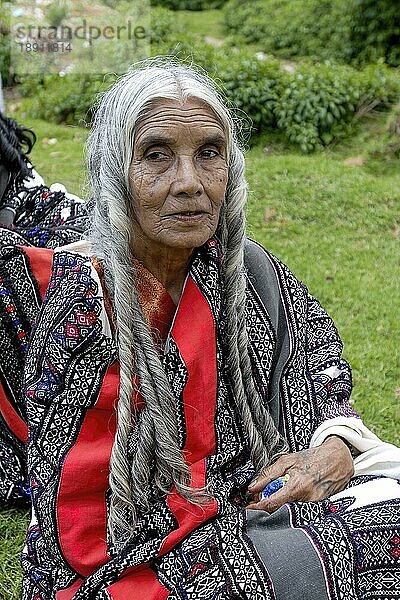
point(310, 383)
point(33, 214)
point(68, 322)
point(330, 373)
point(64, 368)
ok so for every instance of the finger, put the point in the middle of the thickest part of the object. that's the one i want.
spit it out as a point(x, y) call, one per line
point(295, 489)
point(250, 498)
point(268, 474)
point(254, 506)
point(265, 505)
point(277, 500)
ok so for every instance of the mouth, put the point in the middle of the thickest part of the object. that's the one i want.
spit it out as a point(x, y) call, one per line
point(189, 215)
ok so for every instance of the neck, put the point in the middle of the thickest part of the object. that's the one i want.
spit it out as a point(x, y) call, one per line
point(169, 265)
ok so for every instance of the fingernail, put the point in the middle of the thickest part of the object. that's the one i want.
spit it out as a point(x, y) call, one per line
point(252, 484)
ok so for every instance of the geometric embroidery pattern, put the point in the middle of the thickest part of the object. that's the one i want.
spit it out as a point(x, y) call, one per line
point(216, 561)
point(360, 548)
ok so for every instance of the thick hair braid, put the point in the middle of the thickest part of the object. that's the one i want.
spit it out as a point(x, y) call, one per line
point(265, 441)
point(157, 435)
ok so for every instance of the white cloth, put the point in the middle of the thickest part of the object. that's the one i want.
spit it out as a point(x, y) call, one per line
point(36, 180)
point(376, 457)
point(370, 492)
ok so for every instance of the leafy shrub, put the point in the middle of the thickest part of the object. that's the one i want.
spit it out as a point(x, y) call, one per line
point(375, 30)
point(251, 86)
point(188, 4)
point(319, 101)
point(65, 99)
point(344, 30)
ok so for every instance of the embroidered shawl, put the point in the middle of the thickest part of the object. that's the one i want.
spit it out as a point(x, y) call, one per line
point(179, 550)
point(45, 217)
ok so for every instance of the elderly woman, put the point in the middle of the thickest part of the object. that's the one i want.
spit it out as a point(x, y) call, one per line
point(176, 368)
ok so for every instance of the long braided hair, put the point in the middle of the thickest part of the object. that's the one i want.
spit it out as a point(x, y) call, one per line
point(155, 454)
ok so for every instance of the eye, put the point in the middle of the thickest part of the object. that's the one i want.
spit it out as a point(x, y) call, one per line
point(209, 153)
point(156, 155)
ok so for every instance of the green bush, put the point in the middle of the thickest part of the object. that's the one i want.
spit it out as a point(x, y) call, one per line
point(358, 31)
point(320, 101)
point(188, 4)
point(65, 99)
point(374, 30)
point(251, 86)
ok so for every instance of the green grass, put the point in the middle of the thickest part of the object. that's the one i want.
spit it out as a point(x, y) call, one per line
point(336, 226)
point(13, 525)
point(62, 161)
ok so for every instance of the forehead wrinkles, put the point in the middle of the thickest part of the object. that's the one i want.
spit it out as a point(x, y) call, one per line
point(170, 116)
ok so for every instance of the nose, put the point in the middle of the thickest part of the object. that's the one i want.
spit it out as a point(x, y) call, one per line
point(187, 181)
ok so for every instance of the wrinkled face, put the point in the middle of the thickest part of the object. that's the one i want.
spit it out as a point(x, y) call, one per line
point(178, 175)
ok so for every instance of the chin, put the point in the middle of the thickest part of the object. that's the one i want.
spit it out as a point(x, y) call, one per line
point(193, 242)
point(189, 240)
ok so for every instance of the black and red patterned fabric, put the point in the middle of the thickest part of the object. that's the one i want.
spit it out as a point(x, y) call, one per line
point(24, 276)
point(39, 219)
point(179, 550)
point(45, 217)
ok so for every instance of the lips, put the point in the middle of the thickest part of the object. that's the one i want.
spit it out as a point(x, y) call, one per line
point(190, 213)
point(188, 216)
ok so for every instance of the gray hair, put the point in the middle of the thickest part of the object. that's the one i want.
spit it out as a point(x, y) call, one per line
point(146, 445)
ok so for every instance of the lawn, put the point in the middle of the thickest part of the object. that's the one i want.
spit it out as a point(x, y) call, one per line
point(336, 225)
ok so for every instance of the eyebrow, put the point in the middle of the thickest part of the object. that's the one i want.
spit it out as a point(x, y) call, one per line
point(155, 140)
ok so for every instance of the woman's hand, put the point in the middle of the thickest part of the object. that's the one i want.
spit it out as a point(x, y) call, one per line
point(315, 474)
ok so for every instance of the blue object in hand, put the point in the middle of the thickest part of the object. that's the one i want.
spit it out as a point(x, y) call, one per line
point(274, 486)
